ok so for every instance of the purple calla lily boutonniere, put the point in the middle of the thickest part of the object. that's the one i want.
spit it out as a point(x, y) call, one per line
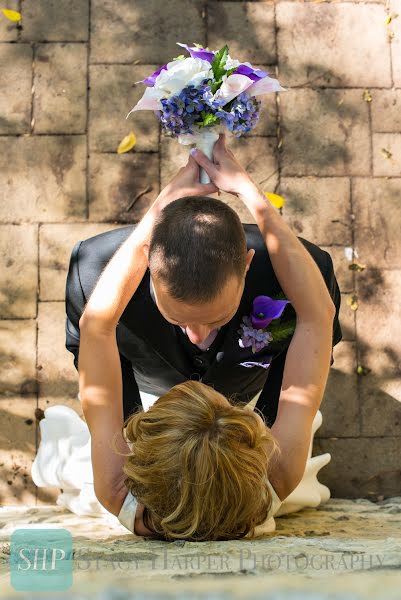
point(257, 329)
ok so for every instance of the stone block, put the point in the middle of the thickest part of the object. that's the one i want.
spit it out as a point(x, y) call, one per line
point(55, 21)
point(318, 209)
point(18, 448)
point(18, 357)
point(363, 467)
point(246, 27)
point(341, 264)
point(15, 88)
point(58, 378)
point(379, 333)
point(56, 244)
point(347, 319)
point(386, 110)
point(267, 124)
point(377, 207)
point(113, 94)
point(339, 407)
point(19, 275)
point(9, 29)
point(44, 178)
point(60, 88)
point(128, 33)
point(395, 29)
point(257, 157)
point(387, 154)
point(46, 495)
point(115, 180)
point(317, 40)
point(325, 132)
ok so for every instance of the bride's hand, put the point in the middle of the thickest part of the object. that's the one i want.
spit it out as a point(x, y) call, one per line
point(185, 183)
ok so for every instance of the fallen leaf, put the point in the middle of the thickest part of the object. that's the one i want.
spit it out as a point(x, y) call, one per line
point(13, 15)
point(276, 200)
point(356, 267)
point(127, 143)
point(386, 153)
point(352, 302)
point(367, 96)
point(361, 370)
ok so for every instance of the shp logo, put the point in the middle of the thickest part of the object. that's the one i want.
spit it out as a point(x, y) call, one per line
point(41, 559)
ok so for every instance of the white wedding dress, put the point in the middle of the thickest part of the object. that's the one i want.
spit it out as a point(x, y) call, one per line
point(63, 461)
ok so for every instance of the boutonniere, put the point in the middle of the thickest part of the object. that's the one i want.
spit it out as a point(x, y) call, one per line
point(263, 325)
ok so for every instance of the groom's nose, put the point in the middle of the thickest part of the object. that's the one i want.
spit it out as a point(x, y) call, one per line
point(197, 333)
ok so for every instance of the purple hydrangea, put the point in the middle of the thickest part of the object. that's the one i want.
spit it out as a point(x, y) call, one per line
point(242, 116)
point(181, 112)
point(251, 337)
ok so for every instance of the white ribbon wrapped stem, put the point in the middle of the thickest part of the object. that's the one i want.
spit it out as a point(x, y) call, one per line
point(204, 139)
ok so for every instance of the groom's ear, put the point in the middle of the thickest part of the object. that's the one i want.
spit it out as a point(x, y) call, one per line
point(146, 250)
point(250, 255)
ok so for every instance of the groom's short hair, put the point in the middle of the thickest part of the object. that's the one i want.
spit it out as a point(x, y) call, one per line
point(197, 244)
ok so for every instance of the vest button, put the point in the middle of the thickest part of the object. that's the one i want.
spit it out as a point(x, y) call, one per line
point(198, 362)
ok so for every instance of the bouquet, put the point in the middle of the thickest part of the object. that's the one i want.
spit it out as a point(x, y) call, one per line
point(197, 97)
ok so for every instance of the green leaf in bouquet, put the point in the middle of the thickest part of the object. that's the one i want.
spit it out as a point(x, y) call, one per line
point(280, 296)
point(218, 63)
point(209, 119)
point(281, 331)
point(215, 86)
point(181, 57)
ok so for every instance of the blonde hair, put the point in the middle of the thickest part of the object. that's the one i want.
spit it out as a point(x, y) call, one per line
point(199, 464)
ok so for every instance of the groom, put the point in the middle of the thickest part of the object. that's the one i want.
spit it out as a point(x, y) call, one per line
point(182, 323)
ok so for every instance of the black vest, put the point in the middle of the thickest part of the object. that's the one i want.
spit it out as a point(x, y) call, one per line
point(160, 353)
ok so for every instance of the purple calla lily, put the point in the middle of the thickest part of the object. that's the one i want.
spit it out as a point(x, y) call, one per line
point(254, 74)
point(196, 52)
point(265, 309)
point(152, 78)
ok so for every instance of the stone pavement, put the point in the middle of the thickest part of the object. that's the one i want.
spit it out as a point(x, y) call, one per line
point(331, 145)
point(343, 550)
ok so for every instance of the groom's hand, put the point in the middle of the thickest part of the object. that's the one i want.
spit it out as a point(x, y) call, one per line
point(185, 183)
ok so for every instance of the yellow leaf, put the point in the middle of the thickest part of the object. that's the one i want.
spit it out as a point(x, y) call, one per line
point(276, 200)
point(11, 14)
point(127, 143)
point(352, 302)
point(388, 20)
point(356, 267)
point(367, 96)
point(386, 153)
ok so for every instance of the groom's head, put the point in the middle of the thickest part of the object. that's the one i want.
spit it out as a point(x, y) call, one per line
point(198, 260)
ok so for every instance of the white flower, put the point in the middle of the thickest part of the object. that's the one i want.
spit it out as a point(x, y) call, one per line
point(180, 73)
point(232, 87)
point(231, 63)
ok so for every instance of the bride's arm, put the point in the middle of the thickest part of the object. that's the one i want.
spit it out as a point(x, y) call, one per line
point(309, 354)
point(100, 377)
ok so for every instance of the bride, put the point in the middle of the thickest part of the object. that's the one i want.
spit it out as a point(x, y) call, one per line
point(194, 465)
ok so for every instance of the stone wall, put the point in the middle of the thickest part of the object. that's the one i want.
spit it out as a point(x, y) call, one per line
point(331, 145)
